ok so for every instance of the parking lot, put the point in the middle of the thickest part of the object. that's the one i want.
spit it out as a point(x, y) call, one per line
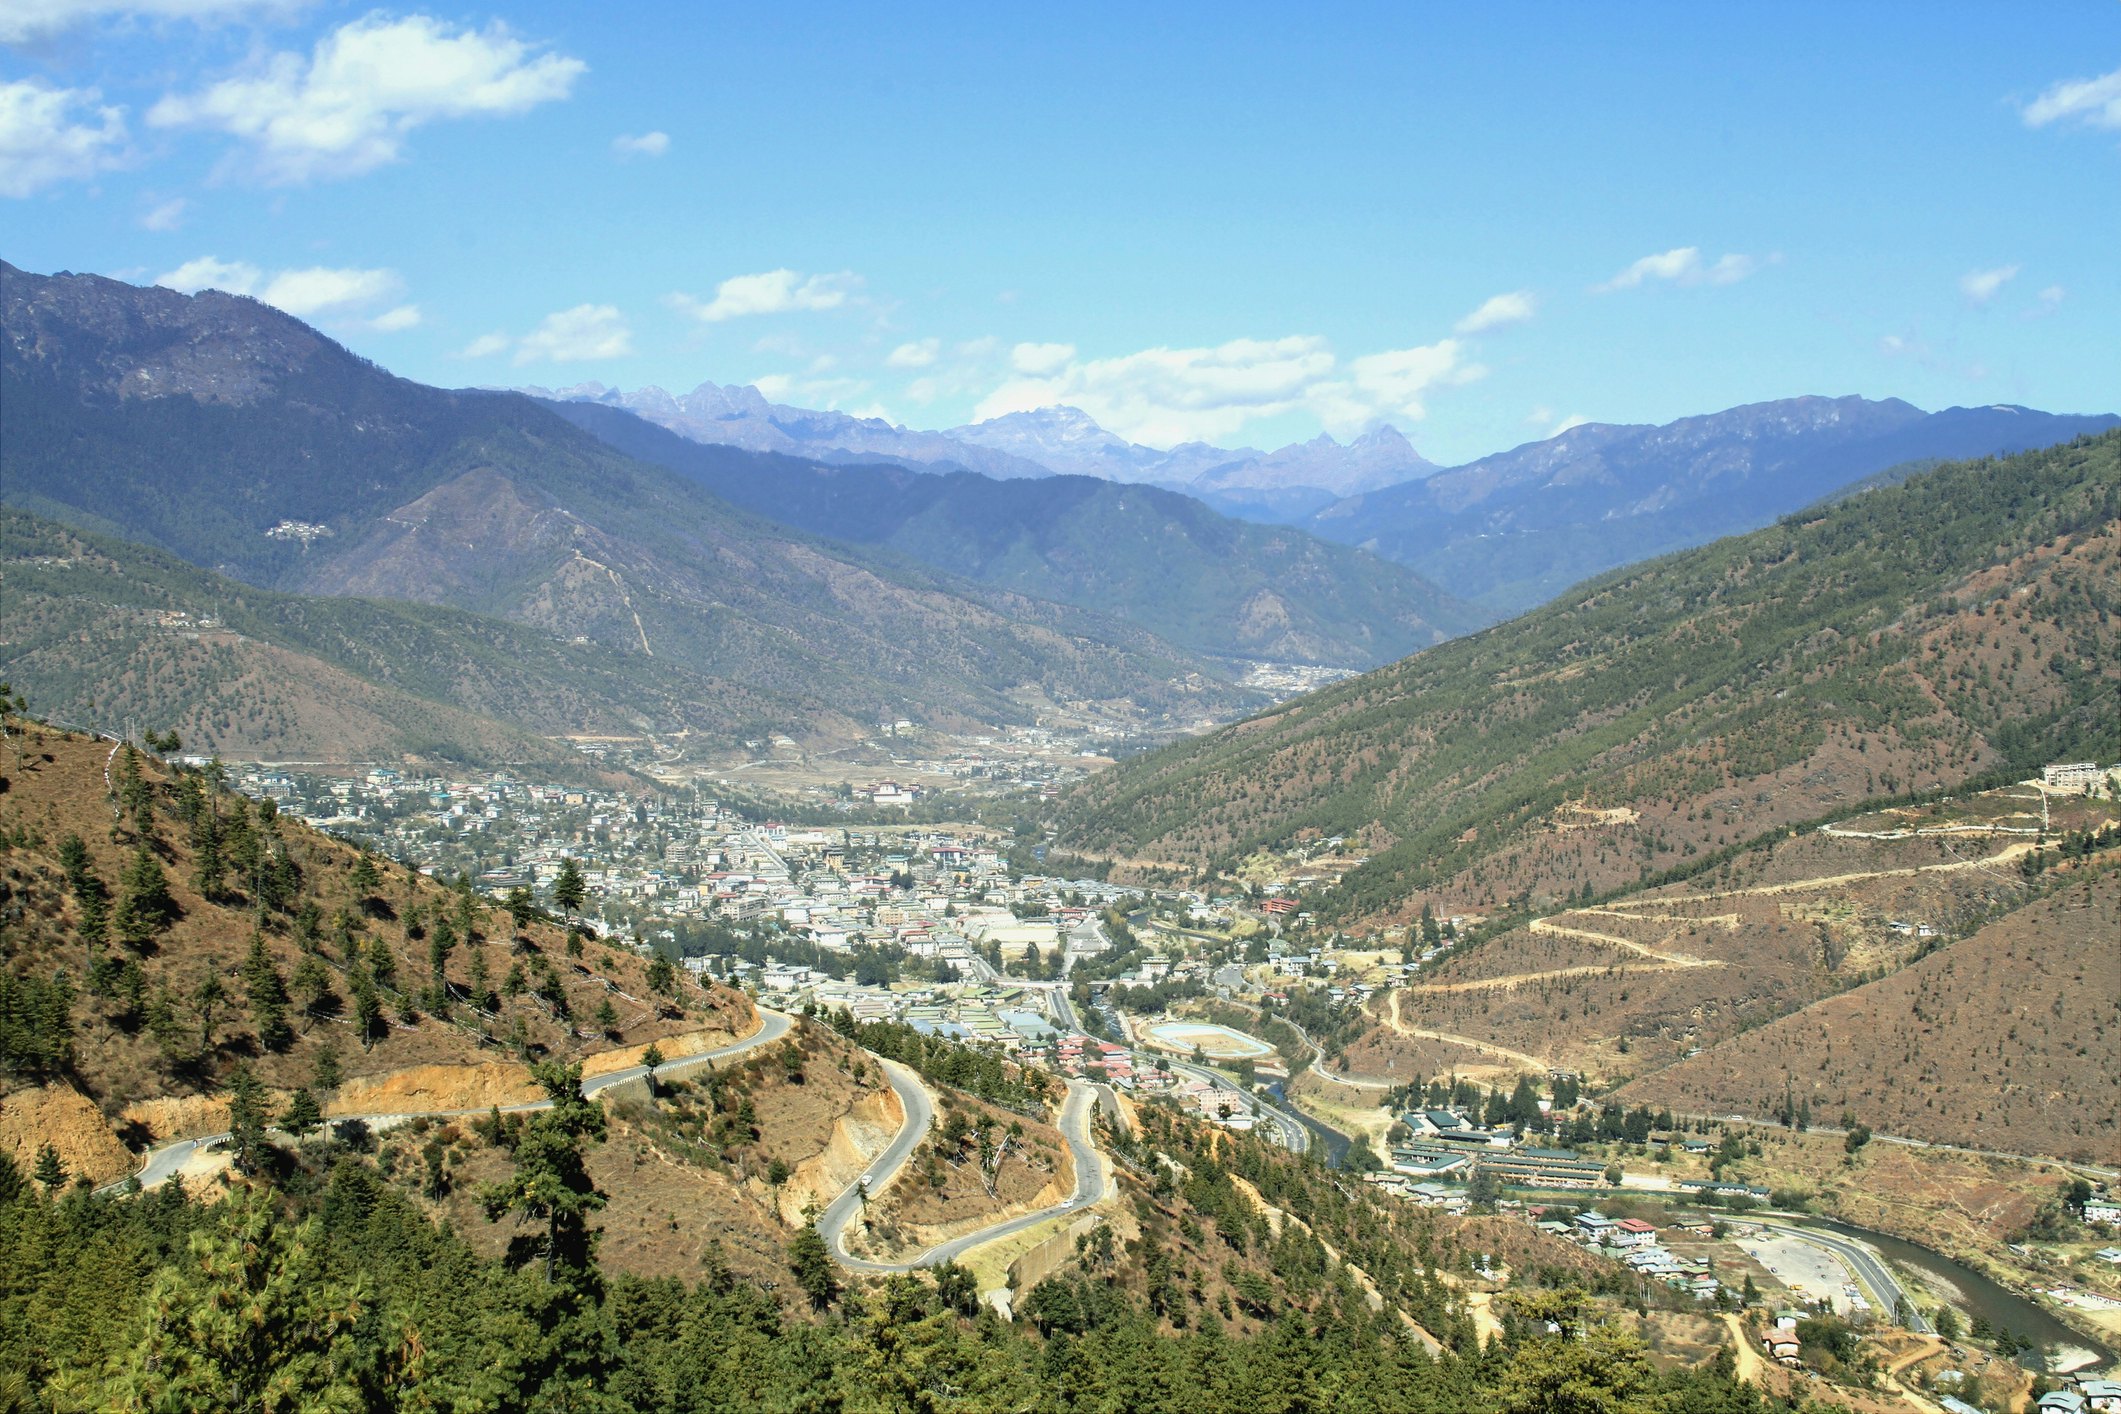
point(1808, 1271)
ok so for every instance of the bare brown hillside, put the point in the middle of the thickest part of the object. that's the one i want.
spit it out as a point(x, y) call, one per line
point(2004, 1040)
point(944, 1190)
point(1624, 988)
point(715, 1167)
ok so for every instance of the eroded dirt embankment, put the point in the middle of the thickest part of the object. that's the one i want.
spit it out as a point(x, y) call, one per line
point(858, 1136)
point(66, 1119)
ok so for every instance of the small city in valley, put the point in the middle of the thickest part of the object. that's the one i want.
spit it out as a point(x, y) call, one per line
point(1242, 711)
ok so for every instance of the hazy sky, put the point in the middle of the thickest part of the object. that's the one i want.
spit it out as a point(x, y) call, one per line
point(1229, 222)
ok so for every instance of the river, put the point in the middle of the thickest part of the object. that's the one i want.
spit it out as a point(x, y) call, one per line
point(1978, 1295)
point(1336, 1143)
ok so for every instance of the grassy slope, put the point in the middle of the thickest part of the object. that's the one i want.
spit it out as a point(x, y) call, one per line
point(1913, 637)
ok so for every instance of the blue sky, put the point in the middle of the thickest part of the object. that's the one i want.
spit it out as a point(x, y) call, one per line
point(1237, 223)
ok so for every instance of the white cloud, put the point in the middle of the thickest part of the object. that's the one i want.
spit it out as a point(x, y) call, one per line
point(1574, 419)
point(167, 216)
point(1980, 286)
point(918, 354)
point(1038, 360)
point(2096, 103)
point(588, 331)
point(350, 105)
point(2052, 297)
point(1683, 266)
point(23, 20)
point(627, 145)
point(485, 346)
point(771, 292)
point(811, 392)
point(305, 293)
point(319, 290)
point(50, 135)
point(1512, 308)
point(209, 272)
point(390, 321)
point(1163, 396)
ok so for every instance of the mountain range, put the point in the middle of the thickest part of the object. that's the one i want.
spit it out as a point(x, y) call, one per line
point(1210, 584)
point(1514, 529)
point(1505, 532)
point(1278, 486)
point(229, 435)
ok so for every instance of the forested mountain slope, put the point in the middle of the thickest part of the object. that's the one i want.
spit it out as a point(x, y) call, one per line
point(233, 436)
point(1154, 558)
point(1914, 636)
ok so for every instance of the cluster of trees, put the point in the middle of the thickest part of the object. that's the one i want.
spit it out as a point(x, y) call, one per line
point(2077, 844)
point(977, 1072)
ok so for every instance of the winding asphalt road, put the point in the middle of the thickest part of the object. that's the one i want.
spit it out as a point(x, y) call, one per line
point(165, 1160)
point(1092, 1183)
point(1092, 1179)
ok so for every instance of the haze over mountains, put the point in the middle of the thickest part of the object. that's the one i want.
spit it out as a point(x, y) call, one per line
point(1506, 532)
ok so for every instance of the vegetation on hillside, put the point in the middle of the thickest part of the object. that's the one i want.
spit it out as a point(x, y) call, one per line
point(1960, 624)
point(164, 938)
point(115, 632)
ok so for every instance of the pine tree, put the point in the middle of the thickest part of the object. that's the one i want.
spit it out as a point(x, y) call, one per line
point(207, 994)
point(607, 1017)
point(312, 987)
point(135, 796)
point(811, 1262)
point(49, 1171)
point(209, 867)
point(254, 1320)
point(368, 1009)
point(145, 907)
point(569, 890)
point(303, 1113)
point(247, 1118)
point(326, 1074)
point(551, 1182)
point(381, 964)
point(267, 994)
